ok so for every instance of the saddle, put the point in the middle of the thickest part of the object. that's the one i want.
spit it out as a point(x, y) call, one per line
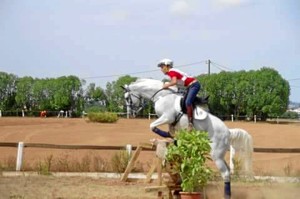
point(197, 102)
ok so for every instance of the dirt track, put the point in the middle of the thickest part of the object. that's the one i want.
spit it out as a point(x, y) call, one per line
point(49, 187)
point(135, 131)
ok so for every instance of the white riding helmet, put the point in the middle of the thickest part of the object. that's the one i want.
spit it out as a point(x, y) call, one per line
point(165, 61)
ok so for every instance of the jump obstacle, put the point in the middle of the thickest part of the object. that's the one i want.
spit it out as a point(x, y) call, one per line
point(160, 148)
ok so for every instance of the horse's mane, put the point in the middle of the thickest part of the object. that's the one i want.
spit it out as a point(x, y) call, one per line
point(146, 79)
point(147, 83)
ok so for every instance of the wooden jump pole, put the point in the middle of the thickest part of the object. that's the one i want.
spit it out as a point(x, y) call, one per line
point(134, 158)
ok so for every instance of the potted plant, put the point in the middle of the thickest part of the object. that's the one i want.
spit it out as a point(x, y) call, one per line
point(187, 158)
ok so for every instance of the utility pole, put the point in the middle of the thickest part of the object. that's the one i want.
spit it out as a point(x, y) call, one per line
point(208, 65)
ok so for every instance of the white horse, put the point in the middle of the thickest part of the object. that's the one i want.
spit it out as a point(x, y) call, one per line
point(241, 141)
point(167, 107)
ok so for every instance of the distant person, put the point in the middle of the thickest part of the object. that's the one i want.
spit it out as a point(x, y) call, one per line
point(43, 113)
point(60, 113)
point(180, 79)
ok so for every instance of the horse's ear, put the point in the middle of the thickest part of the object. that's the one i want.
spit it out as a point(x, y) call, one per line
point(125, 87)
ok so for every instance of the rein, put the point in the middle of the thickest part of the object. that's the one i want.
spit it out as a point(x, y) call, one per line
point(139, 98)
point(152, 98)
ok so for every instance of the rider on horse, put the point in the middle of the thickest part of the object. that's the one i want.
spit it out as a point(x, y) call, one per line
point(180, 78)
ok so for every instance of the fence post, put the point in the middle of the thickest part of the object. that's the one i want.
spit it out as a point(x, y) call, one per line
point(0, 113)
point(254, 118)
point(129, 149)
point(23, 114)
point(20, 156)
point(231, 117)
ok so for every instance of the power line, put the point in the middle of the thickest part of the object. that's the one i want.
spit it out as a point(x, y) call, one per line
point(221, 67)
point(185, 65)
point(140, 72)
point(117, 75)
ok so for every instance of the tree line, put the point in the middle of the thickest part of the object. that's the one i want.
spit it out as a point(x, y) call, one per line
point(263, 93)
point(257, 92)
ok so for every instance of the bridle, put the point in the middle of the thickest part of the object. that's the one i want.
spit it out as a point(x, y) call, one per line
point(129, 101)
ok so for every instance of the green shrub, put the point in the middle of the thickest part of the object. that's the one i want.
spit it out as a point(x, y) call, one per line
point(188, 158)
point(103, 117)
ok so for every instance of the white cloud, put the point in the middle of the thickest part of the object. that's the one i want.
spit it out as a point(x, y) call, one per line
point(181, 8)
point(230, 3)
point(221, 5)
point(120, 15)
point(233, 2)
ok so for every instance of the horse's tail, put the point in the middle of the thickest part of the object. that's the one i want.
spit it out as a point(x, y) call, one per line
point(242, 142)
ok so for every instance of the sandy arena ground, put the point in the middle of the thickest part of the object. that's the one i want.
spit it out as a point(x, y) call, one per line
point(135, 131)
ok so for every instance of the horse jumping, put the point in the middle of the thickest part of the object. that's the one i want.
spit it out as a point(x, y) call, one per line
point(167, 107)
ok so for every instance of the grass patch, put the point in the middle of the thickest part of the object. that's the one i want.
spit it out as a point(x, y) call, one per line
point(89, 162)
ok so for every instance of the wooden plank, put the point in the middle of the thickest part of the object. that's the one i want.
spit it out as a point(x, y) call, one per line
point(131, 163)
point(156, 188)
point(9, 144)
point(276, 150)
point(146, 147)
point(159, 170)
point(56, 146)
point(149, 174)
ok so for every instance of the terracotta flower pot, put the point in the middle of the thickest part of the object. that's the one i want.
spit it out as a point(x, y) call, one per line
point(191, 195)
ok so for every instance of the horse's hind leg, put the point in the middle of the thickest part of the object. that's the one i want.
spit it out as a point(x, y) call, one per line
point(232, 154)
point(225, 172)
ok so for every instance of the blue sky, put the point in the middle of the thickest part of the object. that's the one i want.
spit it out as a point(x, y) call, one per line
point(101, 39)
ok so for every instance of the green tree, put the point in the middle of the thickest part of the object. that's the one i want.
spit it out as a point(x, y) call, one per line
point(263, 93)
point(67, 93)
point(115, 94)
point(273, 93)
point(24, 94)
point(7, 91)
point(95, 98)
point(94, 93)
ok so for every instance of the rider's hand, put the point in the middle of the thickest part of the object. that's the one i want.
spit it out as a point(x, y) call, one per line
point(165, 86)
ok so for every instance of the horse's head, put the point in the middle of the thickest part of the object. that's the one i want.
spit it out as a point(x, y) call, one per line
point(134, 102)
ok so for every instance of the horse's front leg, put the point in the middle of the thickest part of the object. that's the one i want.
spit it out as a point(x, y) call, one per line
point(161, 120)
